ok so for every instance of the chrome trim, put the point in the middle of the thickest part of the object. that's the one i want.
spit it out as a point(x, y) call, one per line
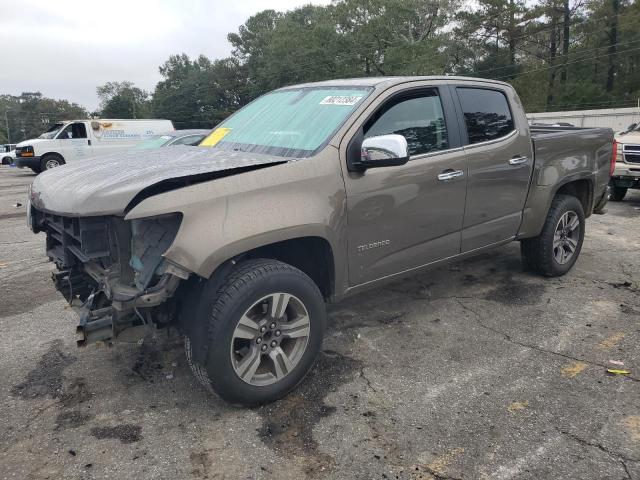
point(518, 160)
point(30, 215)
point(626, 151)
point(435, 153)
point(445, 176)
point(513, 133)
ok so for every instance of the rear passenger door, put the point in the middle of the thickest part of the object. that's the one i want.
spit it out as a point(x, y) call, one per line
point(500, 159)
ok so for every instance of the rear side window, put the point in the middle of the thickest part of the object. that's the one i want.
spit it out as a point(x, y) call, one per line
point(486, 114)
point(419, 118)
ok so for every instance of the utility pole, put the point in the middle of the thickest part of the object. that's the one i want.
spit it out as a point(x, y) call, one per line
point(6, 121)
point(613, 41)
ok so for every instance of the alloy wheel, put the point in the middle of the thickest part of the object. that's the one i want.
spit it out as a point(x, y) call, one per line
point(52, 163)
point(566, 237)
point(270, 339)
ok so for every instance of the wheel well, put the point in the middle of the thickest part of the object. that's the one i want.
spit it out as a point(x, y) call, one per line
point(52, 154)
point(581, 189)
point(312, 255)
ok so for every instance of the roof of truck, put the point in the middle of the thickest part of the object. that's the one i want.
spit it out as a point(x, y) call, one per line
point(389, 81)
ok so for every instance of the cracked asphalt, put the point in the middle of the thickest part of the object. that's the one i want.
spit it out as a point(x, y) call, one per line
point(475, 370)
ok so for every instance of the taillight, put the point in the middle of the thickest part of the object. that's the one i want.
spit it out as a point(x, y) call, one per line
point(614, 154)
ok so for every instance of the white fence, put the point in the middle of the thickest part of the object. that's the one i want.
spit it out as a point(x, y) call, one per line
point(616, 118)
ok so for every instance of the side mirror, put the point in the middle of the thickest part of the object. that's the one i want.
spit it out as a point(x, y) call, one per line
point(632, 127)
point(382, 151)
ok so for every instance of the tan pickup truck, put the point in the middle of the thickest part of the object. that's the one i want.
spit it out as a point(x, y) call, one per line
point(627, 171)
point(306, 195)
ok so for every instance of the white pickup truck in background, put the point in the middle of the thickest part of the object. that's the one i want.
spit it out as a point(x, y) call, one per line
point(8, 153)
point(76, 139)
point(627, 172)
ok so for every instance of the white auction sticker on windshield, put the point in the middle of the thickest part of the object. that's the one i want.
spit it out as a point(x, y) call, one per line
point(340, 100)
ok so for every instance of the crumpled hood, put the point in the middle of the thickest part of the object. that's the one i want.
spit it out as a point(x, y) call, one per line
point(106, 185)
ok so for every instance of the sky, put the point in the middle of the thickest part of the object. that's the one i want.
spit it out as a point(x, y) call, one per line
point(66, 48)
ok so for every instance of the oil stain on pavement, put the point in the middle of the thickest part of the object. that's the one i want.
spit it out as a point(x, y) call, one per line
point(287, 425)
point(46, 378)
point(126, 433)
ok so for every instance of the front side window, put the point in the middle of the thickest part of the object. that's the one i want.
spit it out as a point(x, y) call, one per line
point(486, 114)
point(419, 118)
point(294, 122)
point(73, 130)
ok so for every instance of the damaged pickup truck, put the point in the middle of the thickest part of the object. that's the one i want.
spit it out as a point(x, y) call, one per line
point(306, 195)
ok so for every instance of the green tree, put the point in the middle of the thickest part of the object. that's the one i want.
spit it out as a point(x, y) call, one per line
point(30, 114)
point(494, 34)
point(301, 45)
point(557, 53)
point(199, 93)
point(123, 100)
point(398, 37)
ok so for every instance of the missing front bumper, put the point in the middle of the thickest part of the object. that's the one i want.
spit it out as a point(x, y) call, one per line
point(128, 309)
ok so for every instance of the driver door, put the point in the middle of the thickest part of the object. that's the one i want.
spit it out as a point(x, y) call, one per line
point(403, 217)
point(74, 143)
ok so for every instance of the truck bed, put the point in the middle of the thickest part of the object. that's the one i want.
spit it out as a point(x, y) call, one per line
point(539, 131)
point(570, 152)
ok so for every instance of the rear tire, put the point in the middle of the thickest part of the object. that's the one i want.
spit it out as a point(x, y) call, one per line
point(266, 324)
point(50, 160)
point(617, 193)
point(554, 252)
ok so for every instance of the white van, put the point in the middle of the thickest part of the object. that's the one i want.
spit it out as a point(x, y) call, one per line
point(75, 139)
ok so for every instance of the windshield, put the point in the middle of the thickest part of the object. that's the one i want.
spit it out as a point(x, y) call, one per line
point(53, 131)
point(153, 142)
point(288, 123)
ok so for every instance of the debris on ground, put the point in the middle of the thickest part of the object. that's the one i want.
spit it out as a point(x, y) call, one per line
point(572, 370)
point(611, 341)
point(516, 406)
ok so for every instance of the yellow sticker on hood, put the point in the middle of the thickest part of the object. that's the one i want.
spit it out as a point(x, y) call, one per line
point(214, 137)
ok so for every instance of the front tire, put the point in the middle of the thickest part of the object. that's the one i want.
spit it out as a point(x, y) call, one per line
point(266, 325)
point(554, 252)
point(617, 193)
point(50, 160)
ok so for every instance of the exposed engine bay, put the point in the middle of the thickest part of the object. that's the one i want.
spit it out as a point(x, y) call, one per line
point(111, 270)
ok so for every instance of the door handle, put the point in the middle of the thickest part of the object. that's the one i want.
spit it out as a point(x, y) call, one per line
point(450, 175)
point(517, 160)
